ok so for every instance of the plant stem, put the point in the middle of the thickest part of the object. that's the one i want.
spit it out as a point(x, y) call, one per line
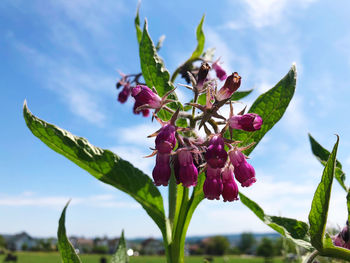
point(172, 199)
point(312, 256)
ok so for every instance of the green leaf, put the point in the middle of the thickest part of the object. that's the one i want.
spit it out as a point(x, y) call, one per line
point(120, 255)
point(322, 155)
point(200, 40)
point(240, 94)
point(292, 229)
point(137, 25)
point(102, 164)
point(153, 69)
point(155, 73)
point(67, 251)
point(320, 203)
point(271, 106)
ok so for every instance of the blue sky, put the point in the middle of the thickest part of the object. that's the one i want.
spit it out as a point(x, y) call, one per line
point(63, 56)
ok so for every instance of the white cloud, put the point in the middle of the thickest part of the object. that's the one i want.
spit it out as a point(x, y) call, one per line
point(137, 135)
point(262, 13)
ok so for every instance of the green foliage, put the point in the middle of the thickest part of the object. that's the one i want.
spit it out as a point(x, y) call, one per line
point(200, 40)
point(2, 242)
point(292, 229)
point(246, 242)
point(102, 164)
point(154, 71)
point(120, 255)
point(66, 249)
point(320, 202)
point(217, 245)
point(137, 25)
point(238, 95)
point(265, 248)
point(322, 155)
point(271, 106)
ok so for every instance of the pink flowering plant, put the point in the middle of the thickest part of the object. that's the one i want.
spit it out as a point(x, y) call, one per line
point(198, 152)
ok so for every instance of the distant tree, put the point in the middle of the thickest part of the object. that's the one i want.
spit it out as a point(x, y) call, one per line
point(266, 249)
point(217, 245)
point(2, 242)
point(100, 249)
point(24, 247)
point(246, 243)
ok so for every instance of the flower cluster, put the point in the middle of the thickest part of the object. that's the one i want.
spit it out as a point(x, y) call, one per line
point(183, 151)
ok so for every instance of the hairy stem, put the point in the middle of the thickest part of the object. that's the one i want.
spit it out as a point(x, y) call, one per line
point(312, 256)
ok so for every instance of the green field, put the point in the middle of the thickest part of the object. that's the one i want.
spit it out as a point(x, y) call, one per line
point(37, 257)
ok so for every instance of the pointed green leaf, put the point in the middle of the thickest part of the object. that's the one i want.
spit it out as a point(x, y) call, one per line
point(271, 106)
point(322, 155)
point(102, 164)
point(320, 203)
point(66, 249)
point(240, 94)
point(153, 69)
point(137, 25)
point(155, 73)
point(120, 255)
point(292, 229)
point(200, 40)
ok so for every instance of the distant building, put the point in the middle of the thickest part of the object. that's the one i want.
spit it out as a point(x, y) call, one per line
point(21, 241)
point(152, 246)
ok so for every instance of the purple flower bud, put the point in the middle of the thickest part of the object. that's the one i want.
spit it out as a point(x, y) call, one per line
point(230, 189)
point(213, 186)
point(246, 122)
point(124, 94)
point(216, 154)
point(188, 172)
point(161, 172)
point(165, 140)
point(144, 95)
point(232, 83)
point(220, 72)
point(245, 174)
point(202, 75)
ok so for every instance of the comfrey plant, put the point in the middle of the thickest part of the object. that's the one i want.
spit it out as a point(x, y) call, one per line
point(199, 153)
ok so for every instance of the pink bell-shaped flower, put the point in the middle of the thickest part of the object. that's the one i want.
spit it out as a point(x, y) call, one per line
point(220, 72)
point(232, 83)
point(246, 122)
point(213, 186)
point(230, 189)
point(188, 172)
point(162, 172)
point(165, 140)
point(216, 154)
point(244, 172)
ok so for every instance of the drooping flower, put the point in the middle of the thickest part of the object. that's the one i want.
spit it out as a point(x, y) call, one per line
point(230, 189)
point(213, 186)
point(232, 83)
point(165, 140)
point(162, 172)
point(220, 72)
point(188, 172)
point(244, 172)
point(145, 96)
point(124, 94)
point(216, 154)
point(246, 122)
